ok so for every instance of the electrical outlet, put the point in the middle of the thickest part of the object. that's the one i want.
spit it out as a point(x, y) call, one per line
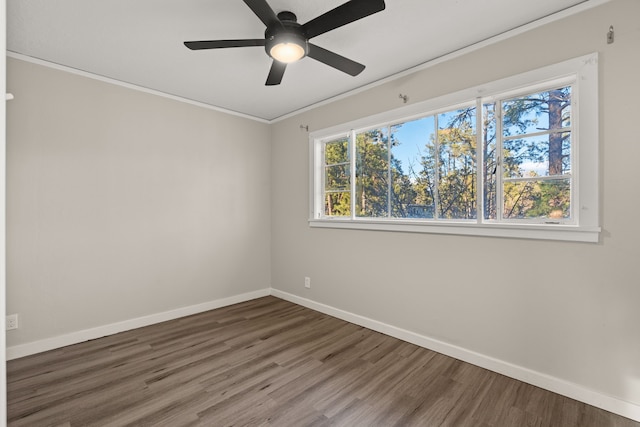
point(11, 322)
point(307, 282)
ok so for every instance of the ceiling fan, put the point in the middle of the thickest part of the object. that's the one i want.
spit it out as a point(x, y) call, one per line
point(286, 41)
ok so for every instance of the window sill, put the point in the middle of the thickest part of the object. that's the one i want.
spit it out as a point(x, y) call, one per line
point(569, 233)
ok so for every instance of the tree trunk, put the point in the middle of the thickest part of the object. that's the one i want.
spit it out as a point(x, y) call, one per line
point(556, 98)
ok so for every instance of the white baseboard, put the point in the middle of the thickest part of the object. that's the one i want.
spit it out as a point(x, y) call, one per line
point(22, 350)
point(538, 379)
point(547, 382)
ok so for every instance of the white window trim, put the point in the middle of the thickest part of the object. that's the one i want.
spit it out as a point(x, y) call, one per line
point(584, 70)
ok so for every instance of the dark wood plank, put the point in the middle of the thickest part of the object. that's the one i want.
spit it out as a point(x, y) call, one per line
point(268, 362)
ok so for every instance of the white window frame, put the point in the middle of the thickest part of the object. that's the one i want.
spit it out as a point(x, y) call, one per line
point(581, 73)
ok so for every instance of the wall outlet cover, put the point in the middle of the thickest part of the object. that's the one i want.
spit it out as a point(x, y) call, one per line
point(11, 322)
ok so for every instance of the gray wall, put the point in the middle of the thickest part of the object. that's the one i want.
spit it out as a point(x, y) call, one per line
point(568, 310)
point(122, 204)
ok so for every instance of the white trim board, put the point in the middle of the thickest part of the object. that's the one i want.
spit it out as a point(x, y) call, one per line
point(578, 8)
point(572, 10)
point(109, 80)
point(538, 379)
point(47, 344)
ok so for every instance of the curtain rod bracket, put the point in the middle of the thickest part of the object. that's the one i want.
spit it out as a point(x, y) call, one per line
point(610, 35)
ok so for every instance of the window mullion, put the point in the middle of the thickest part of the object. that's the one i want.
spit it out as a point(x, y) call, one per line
point(389, 174)
point(352, 172)
point(539, 133)
point(320, 194)
point(480, 184)
point(499, 170)
point(436, 173)
point(575, 165)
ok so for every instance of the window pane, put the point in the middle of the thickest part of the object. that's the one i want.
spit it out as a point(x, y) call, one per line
point(337, 177)
point(548, 110)
point(457, 164)
point(372, 173)
point(410, 195)
point(336, 151)
point(426, 175)
point(537, 199)
point(542, 155)
point(337, 204)
point(490, 161)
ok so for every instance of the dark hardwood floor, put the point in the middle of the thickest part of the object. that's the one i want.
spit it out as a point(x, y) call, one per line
point(268, 362)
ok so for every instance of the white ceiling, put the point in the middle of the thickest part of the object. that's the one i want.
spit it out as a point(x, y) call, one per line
point(140, 42)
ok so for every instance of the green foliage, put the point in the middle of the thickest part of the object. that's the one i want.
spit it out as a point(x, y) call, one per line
point(338, 204)
point(372, 173)
point(403, 193)
point(457, 167)
point(541, 148)
point(537, 199)
point(446, 183)
point(442, 183)
point(337, 178)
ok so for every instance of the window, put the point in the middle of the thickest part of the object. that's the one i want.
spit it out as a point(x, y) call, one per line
point(531, 157)
point(514, 158)
point(337, 178)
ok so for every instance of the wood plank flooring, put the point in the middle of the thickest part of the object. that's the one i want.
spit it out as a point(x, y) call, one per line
point(268, 362)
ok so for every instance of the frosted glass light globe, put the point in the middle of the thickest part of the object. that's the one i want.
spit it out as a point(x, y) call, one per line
point(287, 52)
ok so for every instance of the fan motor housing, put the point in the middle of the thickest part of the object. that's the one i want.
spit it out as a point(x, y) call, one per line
point(287, 31)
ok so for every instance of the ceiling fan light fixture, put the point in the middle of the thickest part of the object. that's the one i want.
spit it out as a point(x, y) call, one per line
point(287, 41)
point(287, 47)
point(287, 52)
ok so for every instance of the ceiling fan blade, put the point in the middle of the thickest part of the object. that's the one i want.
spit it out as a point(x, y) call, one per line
point(219, 44)
point(276, 73)
point(342, 15)
point(334, 60)
point(263, 11)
